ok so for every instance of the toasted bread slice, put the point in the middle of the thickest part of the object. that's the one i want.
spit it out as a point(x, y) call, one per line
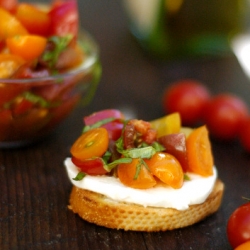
point(101, 210)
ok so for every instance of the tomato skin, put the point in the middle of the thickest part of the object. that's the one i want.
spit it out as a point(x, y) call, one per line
point(167, 168)
point(225, 115)
point(91, 167)
point(245, 135)
point(33, 19)
point(126, 173)
point(93, 143)
point(175, 144)
point(188, 97)
point(238, 226)
point(9, 5)
point(64, 18)
point(199, 152)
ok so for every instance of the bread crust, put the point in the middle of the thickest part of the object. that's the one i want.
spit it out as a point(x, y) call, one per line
point(99, 209)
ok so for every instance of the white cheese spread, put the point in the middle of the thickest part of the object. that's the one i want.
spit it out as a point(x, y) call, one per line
point(194, 191)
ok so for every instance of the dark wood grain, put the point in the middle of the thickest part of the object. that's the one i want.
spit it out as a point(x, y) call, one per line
point(34, 188)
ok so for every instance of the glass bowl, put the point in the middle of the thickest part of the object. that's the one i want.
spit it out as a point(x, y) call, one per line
point(31, 108)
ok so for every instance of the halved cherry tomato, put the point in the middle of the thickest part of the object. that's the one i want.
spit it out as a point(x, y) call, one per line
point(168, 124)
point(188, 97)
point(167, 168)
point(127, 175)
point(9, 5)
point(175, 144)
point(91, 166)
point(71, 57)
point(93, 143)
point(64, 18)
point(9, 64)
point(10, 25)
point(29, 47)
point(199, 152)
point(35, 20)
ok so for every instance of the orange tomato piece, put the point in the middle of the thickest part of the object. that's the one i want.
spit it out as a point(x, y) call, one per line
point(28, 47)
point(243, 246)
point(93, 143)
point(35, 20)
point(10, 25)
point(167, 168)
point(199, 152)
point(127, 175)
point(8, 66)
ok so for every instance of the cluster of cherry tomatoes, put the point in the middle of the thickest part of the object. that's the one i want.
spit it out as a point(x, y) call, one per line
point(226, 115)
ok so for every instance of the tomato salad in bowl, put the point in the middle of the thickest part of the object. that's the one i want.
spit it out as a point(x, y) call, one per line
point(47, 65)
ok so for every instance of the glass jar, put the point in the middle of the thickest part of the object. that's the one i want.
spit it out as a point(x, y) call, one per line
point(177, 28)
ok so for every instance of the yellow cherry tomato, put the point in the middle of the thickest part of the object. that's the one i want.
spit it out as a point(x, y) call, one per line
point(168, 124)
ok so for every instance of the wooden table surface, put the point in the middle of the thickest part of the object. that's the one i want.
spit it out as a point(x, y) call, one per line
point(34, 187)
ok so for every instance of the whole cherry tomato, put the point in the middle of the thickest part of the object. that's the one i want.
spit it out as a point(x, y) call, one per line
point(224, 116)
point(238, 226)
point(188, 97)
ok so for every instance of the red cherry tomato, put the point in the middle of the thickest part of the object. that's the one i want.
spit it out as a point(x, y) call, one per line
point(224, 116)
point(188, 97)
point(245, 135)
point(64, 18)
point(91, 166)
point(238, 226)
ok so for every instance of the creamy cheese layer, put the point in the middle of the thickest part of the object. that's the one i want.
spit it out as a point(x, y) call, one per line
point(194, 191)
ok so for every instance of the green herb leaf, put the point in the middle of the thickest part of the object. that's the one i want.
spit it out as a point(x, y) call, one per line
point(146, 152)
point(36, 99)
point(158, 147)
point(61, 43)
point(98, 124)
point(138, 169)
point(113, 164)
point(79, 176)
